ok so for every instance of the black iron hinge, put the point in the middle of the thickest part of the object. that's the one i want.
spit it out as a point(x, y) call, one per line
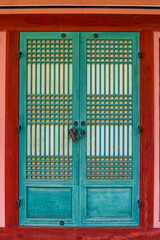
point(140, 128)
point(18, 203)
point(140, 55)
point(139, 203)
point(19, 54)
point(19, 128)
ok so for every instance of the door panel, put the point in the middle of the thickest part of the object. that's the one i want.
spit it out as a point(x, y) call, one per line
point(48, 106)
point(110, 151)
point(94, 80)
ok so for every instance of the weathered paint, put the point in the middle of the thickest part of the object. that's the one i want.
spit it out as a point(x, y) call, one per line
point(108, 200)
point(156, 129)
point(2, 126)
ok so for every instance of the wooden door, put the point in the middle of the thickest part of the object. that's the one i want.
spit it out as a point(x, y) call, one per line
point(89, 82)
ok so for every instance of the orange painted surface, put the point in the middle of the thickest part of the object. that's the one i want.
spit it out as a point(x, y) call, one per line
point(80, 11)
point(2, 126)
point(156, 129)
point(80, 2)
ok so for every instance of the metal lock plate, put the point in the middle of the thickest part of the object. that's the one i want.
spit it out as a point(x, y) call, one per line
point(74, 134)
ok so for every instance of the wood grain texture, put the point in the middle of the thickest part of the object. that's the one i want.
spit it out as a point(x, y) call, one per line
point(145, 25)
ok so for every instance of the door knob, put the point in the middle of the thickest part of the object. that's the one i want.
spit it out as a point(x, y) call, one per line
point(83, 132)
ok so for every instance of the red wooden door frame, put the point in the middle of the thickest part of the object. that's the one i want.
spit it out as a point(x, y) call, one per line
point(15, 24)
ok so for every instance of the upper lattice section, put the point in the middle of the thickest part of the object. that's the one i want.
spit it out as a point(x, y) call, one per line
point(49, 50)
point(109, 51)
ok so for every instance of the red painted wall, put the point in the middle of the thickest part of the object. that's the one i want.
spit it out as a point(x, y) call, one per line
point(146, 25)
point(2, 126)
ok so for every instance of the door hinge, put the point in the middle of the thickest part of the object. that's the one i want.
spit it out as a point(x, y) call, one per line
point(19, 54)
point(139, 203)
point(19, 128)
point(140, 128)
point(140, 55)
point(18, 203)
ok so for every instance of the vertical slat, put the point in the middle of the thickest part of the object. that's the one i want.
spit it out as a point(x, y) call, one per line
point(61, 140)
point(88, 78)
point(130, 140)
point(66, 78)
point(102, 140)
point(97, 140)
point(45, 100)
point(37, 140)
point(28, 140)
point(70, 78)
point(66, 143)
point(47, 140)
point(52, 78)
point(125, 140)
point(59, 102)
point(114, 104)
point(42, 78)
point(63, 93)
point(123, 105)
point(40, 87)
point(130, 78)
point(121, 140)
point(125, 79)
point(70, 144)
point(109, 93)
point(56, 140)
point(91, 92)
point(33, 139)
point(107, 140)
point(97, 82)
point(111, 78)
point(52, 140)
point(42, 140)
point(33, 78)
point(88, 141)
point(116, 140)
point(54, 92)
point(38, 78)
point(95, 87)
point(93, 140)
point(49, 92)
point(31, 112)
point(111, 140)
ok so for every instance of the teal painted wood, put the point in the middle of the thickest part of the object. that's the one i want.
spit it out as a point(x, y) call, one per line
point(49, 99)
point(110, 171)
point(101, 187)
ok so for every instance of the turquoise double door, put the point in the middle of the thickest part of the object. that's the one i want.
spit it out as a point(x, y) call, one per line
point(88, 83)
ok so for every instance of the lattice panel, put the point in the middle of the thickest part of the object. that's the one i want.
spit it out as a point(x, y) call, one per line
point(49, 109)
point(109, 51)
point(109, 168)
point(57, 168)
point(49, 50)
point(109, 110)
